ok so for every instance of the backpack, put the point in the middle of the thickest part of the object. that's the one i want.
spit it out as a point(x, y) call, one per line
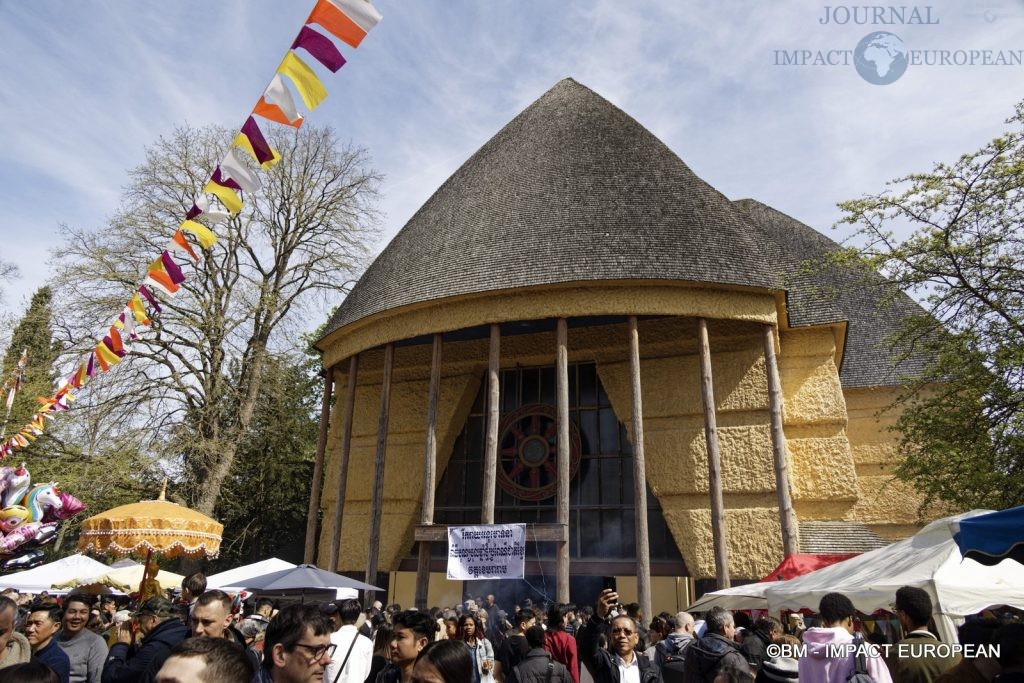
point(860, 663)
point(673, 663)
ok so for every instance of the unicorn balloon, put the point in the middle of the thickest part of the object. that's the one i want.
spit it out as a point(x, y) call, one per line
point(30, 514)
point(14, 483)
point(42, 499)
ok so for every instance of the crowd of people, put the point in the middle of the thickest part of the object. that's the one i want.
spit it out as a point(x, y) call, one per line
point(209, 636)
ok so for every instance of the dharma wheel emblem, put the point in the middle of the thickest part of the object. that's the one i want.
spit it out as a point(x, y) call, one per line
point(528, 452)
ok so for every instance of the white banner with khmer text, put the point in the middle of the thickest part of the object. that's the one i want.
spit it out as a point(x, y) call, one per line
point(494, 551)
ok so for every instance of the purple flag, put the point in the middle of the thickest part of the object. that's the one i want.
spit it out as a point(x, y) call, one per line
point(173, 271)
point(321, 47)
point(259, 144)
point(144, 291)
point(193, 212)
point(219, 178)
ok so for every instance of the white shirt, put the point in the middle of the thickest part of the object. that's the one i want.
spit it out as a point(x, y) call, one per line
point(358, 665)
point(628, 673)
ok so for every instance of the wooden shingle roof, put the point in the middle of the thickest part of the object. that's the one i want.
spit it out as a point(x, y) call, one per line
point(817, 293)
point(836, 538)
point(572, 189)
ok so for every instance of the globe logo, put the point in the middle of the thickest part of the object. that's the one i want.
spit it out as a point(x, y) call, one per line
point(880, 58)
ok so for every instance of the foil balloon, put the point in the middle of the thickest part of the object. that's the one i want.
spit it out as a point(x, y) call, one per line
point(70, 506)
point(12, 517)
point(27, 532)
point(33, 558)
point(14, 483)
point(42, 500)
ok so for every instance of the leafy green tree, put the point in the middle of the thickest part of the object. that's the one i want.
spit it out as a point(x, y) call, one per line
point(33, 334)
point(86, 451)
point(954, 236)
point(264, 500)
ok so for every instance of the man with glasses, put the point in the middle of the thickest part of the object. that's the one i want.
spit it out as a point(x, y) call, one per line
point(297, 646)
point(623, 663)
point(157, 620)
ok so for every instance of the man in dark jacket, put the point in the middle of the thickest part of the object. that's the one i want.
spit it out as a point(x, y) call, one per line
point(706, 657)
point(161, 630)
point(622, 634)
point(670, 653)
point(535, 666)
point(755, 645)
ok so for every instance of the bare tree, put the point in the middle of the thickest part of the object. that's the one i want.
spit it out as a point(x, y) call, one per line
point(194, 377)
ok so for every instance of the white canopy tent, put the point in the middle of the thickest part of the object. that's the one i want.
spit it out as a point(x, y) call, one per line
point(748, 596)
point(42, 578)
point(233, 580)
point(930, 560)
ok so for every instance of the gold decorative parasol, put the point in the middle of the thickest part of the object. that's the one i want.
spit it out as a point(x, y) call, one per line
point(156, 527)
point(152, 526)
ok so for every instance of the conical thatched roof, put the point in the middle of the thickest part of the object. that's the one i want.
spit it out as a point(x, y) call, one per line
point(818, 292)
point(572, 189)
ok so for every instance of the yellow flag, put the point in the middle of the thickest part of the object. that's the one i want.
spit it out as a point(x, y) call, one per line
point(203, 234)
point(309, 86)
point(243, 142)
point(107, 355)
point(228, 197)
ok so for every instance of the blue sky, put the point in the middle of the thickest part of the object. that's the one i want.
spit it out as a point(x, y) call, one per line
point(88, 85)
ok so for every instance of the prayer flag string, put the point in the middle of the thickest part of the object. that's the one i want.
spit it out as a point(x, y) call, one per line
point(346, 20)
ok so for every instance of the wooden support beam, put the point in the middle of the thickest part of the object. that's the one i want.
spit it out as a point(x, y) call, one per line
point(562, 392)
point(378, 472)
point(707, 394)
point(346, 451)
point(787, 516)
point(313, 514)
point(490, 478)
point(429, 475)
point(643, 552)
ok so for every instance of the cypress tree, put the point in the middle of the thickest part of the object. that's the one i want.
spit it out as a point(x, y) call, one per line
point(34, 334)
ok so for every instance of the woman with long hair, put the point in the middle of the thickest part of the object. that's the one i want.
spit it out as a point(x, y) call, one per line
point(381, 651)
point(470, 633)
point(443, 661)
point(560, 644)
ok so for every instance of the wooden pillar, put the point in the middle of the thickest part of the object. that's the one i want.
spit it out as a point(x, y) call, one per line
point(490, 478)
point(346, 451)
point(707, 393)
point(429, 475)
point(562, 390)
point(378, 471)
point(787, 517)
point(313, 514)
point(643, 550)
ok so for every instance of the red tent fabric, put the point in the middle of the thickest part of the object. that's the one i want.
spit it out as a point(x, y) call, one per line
point(803, 563)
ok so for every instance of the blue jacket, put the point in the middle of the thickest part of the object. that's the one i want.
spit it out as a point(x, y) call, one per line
point(54, 657)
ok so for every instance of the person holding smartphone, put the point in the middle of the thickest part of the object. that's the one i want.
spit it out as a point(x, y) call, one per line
point(621, 662)
point(470, 632)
